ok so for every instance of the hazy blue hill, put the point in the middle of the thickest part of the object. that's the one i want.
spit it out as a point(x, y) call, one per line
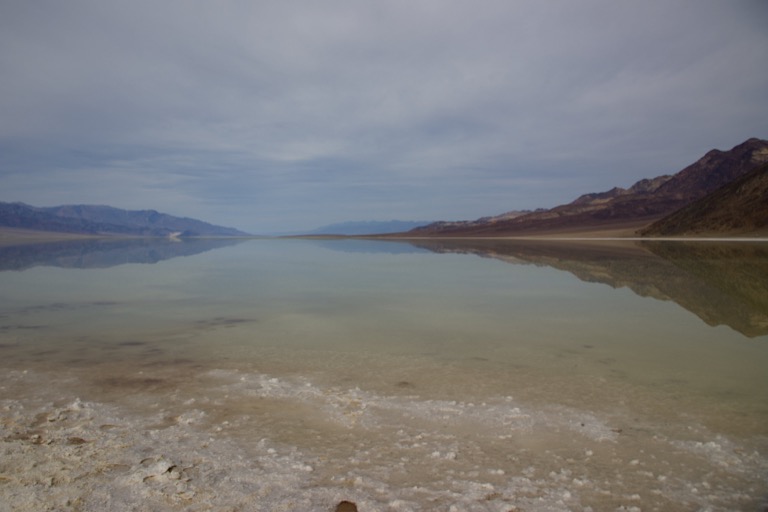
point(105, 220)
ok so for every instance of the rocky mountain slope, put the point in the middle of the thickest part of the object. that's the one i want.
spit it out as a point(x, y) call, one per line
point(465, 225)
point(644, 202)
point(105, 220)
point(739, 207)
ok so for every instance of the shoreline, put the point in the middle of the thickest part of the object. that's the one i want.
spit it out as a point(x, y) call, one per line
point(13, 237)
point(580, 239)
point(612, 232)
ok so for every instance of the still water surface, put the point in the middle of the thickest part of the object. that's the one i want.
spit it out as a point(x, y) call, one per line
point(486, 375)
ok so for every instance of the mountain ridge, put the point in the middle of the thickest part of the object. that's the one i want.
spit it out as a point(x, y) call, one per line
point(101, 220)
point(738, 207)
point(646, 201)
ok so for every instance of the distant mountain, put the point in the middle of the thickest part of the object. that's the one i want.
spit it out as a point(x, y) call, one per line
point(105, 220)
point(372, 227)
point(739, 207)
point(644, 202)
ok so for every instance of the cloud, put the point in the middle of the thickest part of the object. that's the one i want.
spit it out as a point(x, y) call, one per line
point(270, 115)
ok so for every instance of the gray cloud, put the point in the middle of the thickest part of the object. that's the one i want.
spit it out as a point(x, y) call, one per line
point(287, 115)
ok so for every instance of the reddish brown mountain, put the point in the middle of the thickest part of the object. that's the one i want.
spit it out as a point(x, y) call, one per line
point(644, 202)
point(737, 208)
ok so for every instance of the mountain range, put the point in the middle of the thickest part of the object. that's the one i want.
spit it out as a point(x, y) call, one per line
point(722, 193)
point(106, 220)
point(649, 201)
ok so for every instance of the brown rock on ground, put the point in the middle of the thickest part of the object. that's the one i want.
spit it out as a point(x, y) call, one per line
point(346, 506)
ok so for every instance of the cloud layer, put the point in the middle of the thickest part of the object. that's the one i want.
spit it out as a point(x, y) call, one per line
point(286, 115)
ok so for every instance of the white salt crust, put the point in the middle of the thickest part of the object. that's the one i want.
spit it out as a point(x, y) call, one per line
point(400, 453)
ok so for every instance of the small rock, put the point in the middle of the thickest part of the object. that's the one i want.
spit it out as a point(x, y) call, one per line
point(346, 506)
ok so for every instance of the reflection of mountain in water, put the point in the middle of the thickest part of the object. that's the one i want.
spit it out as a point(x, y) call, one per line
point(103, 253)
point(358, 245)
point(722, 283)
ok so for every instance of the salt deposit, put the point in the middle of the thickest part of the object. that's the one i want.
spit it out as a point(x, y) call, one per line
point(382, 452)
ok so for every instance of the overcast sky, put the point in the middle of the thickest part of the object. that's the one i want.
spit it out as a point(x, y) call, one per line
point(287, 115)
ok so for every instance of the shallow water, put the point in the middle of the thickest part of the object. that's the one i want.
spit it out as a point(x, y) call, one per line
point(292, 374)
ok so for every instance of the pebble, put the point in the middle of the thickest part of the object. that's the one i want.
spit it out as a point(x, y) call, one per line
point(346, 506)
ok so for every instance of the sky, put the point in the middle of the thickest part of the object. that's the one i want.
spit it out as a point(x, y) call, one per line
point(277, 116)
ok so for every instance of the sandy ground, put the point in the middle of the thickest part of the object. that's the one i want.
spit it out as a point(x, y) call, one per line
point(620, 230)
point(11, 236)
